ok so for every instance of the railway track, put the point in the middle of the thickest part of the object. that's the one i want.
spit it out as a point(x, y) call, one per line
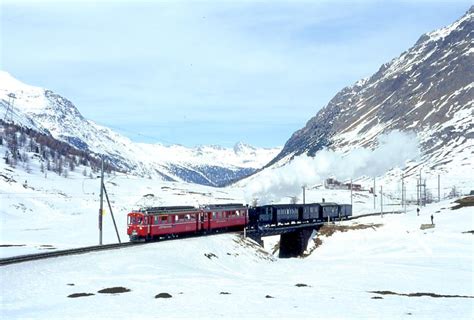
point(374, 214)
point(68, 252)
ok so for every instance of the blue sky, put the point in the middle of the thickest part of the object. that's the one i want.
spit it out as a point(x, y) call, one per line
point(208, 72)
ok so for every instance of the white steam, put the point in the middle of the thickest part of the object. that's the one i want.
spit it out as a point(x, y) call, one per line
point(394, 150)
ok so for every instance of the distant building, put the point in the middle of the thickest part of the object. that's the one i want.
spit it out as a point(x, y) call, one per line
point(332, 183)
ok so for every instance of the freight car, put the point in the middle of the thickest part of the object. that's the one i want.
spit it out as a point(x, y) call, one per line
point(330, 211)
point(275, 215)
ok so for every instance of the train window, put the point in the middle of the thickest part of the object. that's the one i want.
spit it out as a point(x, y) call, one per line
point(156, 220)
point(136, 220)
point(164, 219)
point(188, 217)
point(213, 215)
point(237, 213)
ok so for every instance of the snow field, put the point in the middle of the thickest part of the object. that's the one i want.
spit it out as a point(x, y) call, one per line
point(397, 257)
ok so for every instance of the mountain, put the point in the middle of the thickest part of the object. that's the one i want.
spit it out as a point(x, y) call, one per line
point(50, 113)
point(428, 89)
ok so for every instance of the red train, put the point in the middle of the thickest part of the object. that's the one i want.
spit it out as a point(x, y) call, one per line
point(165, 222)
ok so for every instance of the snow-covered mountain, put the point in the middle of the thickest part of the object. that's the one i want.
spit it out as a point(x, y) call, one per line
point(50, 113)
point(428, 89)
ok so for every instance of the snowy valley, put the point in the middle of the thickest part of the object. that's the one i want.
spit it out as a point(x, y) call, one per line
point(410, 124)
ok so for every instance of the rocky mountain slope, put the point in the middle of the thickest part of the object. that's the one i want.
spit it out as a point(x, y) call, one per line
point(50, 113)
point(428, 89)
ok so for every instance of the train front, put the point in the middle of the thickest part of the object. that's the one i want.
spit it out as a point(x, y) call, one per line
point(136, 228)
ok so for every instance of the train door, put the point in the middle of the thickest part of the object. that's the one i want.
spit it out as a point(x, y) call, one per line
point(147, 222)
point(201, 221)
point(207, 221)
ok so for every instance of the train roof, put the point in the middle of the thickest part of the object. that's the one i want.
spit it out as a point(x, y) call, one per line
point(328, 204)
point(189, 209)
point(286, 205)
point(225, 206)
point(168, 210)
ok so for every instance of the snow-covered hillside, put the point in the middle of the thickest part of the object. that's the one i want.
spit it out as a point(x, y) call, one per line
point(48, 112)
point(427, 90)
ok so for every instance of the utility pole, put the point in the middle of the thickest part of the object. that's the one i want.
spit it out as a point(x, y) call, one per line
point(351, 192)
point(439, 189)
point(304, 194)
point(405, 198)
point(424, 193)
point(381, 201)
point(374, 194)
point(101, 210)
point(420, 201)
point(418, 190)
point(403, 193)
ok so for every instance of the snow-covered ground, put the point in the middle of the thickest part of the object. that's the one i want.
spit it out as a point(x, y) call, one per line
point(224, 276)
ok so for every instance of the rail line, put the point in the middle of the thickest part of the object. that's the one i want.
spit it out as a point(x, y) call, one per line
point(68, 252)
point(374, 214)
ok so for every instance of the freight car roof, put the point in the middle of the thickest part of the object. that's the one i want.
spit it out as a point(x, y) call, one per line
point(328, 204)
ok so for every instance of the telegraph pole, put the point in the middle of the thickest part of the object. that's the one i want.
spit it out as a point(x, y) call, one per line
point(439, 189)
point(304, 194)
point(374, 194)
point(351, 192)
point(403, 193)
point(424, 193)
point(418, 190)
point(405, 198)
point(101, 210)
point(381, 201)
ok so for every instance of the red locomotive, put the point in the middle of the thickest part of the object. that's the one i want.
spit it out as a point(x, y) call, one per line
point(166, 222)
